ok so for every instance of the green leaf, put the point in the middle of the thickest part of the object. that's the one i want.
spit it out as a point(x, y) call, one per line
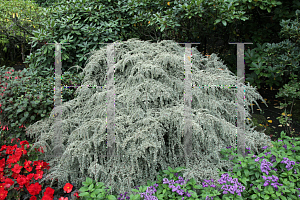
point(26, 114)
point(19, 110)
point(224, 22)
point(247, 172)
point(217, 21)
point(89, 180)
point(84, 194)
point(32, 117)
point(23, 119)
point(91, 186)
point(111, 197)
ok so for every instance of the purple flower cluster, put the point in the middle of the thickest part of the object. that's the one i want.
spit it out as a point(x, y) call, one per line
point(236, 188)
point(265, 167)
point(227, 183)
point(151, 190)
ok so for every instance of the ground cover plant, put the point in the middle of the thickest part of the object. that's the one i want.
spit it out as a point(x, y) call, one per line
point(272, 174)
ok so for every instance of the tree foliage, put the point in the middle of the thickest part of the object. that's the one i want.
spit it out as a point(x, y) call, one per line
point(17, 20)
point(149, 118)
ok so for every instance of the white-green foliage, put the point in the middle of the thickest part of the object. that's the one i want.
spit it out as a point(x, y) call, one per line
point(152, 71)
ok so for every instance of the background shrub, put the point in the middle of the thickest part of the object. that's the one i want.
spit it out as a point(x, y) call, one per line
point(87, 23)
point(17, 20)
point(27, 99)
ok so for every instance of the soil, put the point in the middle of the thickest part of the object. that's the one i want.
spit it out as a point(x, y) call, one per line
point(267, 115)
point(19, 65)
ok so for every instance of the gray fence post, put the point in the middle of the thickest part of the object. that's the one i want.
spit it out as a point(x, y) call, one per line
point(240, 94)
point(58, 144)
point(187, 100)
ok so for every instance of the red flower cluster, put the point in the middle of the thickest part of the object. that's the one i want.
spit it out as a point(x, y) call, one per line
point(22, 180)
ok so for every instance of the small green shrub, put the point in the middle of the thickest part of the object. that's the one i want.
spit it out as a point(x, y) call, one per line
point(25, 99)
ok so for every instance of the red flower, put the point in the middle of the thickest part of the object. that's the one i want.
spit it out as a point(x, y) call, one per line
point(34, 189)
point(8, 183)
point(76, 194)
point(3, 194)
point(68, 187)
point(2, 164)
point(21, 180)
point(46, 197)
point(38, 175)
point(48, 194)
point(38, 164)
point(33, 198)
point(17, 168)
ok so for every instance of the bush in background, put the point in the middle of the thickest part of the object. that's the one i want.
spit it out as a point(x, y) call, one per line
point(272, 61)
point(17, 20)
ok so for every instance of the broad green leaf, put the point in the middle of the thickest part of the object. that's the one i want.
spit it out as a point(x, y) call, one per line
point(23, 119)
point(26, 114)
point(19, 110)
point(217, 21)
point(224, 22)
